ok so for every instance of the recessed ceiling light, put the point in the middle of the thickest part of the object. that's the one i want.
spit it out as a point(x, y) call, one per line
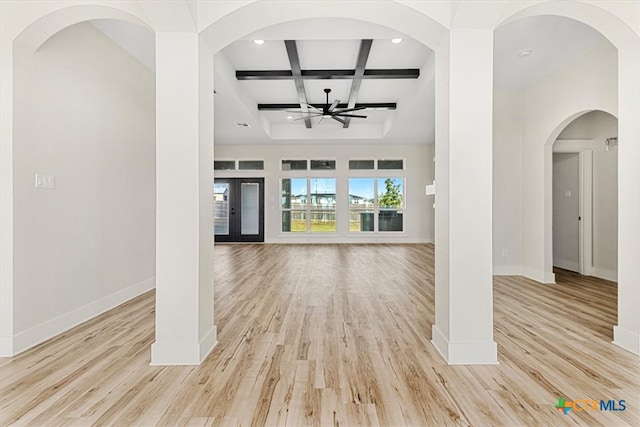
point(258, 41)
point(396, 40)
point(289, 118)
point(524, 52)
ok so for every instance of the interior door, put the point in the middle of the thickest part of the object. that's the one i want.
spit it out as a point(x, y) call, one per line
point(238, 209)
point(566, 211)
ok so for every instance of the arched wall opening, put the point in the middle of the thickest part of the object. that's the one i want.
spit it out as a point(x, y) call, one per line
point(596, 83)
point(36, 33)
point(585, 196)
point(423, 28)
point(330, 43)
point(220, 34)
point(83, 175)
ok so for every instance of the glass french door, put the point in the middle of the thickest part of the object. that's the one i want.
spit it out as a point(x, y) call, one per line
point(238, 209)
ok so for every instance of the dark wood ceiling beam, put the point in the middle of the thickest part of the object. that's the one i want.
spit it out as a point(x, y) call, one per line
point(296, 74)
point(361, 63)
point(395, 73)
point(376, 105)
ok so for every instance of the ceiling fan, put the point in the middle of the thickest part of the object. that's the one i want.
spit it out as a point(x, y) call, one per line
point(329, 110)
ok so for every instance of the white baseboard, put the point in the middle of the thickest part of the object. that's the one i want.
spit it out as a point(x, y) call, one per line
point(25, 340)
point(364, 238)
point(605, 274)
point(539, 276)
point(465, 353)
point(183, 353)
point(507, 270)
point(626, 339)
point(439, 341)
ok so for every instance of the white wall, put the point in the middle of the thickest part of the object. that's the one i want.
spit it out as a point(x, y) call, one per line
point(597, 126)
point(507, 183)
point(88, 244)
point(419, 171)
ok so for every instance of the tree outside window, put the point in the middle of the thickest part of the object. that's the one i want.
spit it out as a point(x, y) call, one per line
point(392, 197)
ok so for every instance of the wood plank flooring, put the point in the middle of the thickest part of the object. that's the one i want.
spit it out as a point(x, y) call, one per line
point(334, 335)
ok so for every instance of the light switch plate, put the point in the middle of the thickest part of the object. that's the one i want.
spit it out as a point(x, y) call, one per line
point(45, 181)
point(430, 190)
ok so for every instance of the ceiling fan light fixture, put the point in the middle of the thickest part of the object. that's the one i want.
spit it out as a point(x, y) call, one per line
point(258, 42)
point(396, 40)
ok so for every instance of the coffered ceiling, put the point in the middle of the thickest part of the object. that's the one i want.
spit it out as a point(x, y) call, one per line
point(525, 52)
point(332, 53)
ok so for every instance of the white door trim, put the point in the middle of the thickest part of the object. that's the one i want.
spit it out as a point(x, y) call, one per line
point(584, 148)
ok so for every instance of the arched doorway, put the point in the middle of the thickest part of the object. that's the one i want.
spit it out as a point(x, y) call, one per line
point(82, 127)
point(475, 331)
point(218, 35)
point(540, 129)
point(585, 224)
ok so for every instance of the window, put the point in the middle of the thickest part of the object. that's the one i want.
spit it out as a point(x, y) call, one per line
point(224, 165)
point(322, 205)
point(376, 204)
point(361, 204)
point(294, 205)
point(390, 164)
point(230, 165)
point(323, 164)
point(361, 164)
point(294, 165)
point(383, 164)
point(308, 205)
point(390, 204)
point(251, 165)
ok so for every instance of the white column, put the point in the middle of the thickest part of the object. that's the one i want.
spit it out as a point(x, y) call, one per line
point(627, 333)
point(6, 196)
point(185, 332)
point(463, 332)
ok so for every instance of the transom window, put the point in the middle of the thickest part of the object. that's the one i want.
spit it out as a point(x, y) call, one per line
point(380, 164)
point(240, 165)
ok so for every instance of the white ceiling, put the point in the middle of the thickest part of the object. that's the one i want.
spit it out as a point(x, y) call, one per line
point(553, 41)
point(334, 44)
point(135, 39)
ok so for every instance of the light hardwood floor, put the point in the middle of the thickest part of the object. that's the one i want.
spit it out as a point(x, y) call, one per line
point(334, 335)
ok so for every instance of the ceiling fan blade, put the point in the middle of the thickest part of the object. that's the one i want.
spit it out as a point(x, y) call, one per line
point(307, 113)
point(307, 116)
point(311, 107)
point(321, 119)
point(338, 119)
point(334, 105)
point(346, 110)
point(349, 115)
